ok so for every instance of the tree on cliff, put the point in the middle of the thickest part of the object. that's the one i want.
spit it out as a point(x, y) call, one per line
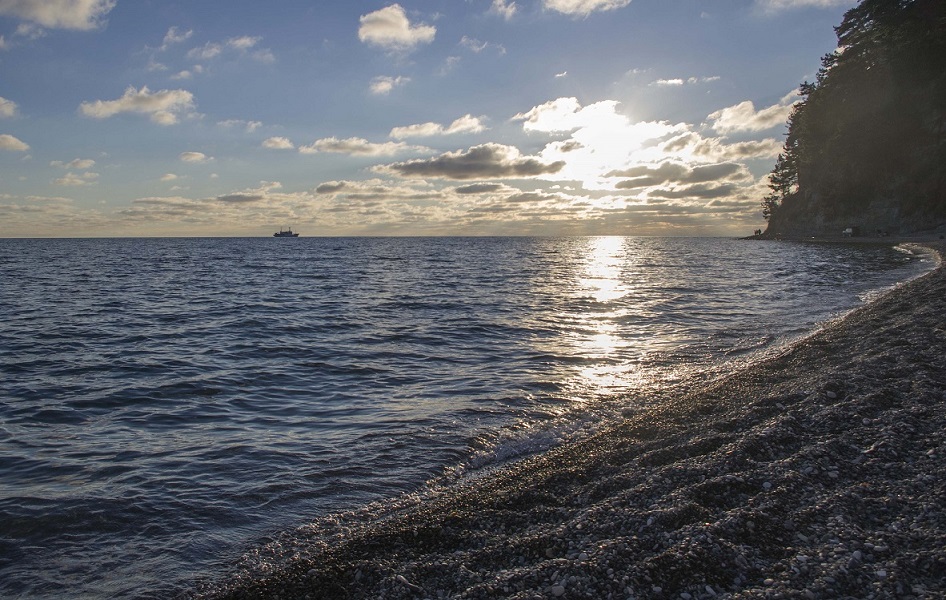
point(873, 123)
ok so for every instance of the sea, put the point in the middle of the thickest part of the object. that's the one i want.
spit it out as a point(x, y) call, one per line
point(168, 405)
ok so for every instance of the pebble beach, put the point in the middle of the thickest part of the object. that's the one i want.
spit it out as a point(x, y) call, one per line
point(819, 472)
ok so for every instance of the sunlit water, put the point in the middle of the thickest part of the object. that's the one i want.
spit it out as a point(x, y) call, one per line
point(168, 403)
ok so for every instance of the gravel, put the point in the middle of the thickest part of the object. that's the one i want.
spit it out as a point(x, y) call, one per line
point(817, 473)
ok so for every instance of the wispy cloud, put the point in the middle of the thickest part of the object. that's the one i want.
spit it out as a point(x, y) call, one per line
point(389, 28)
point(583, 8)
point(465, 124)
point(506, 10)
point(76, 163)
point(248, 126)
point(355, 146)
point(175, 36)
point(679, 81)
point(76, 180)
point(383, 84)
point(194, 157)
point(781, 5)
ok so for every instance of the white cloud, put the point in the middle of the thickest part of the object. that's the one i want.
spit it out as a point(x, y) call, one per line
point(194, 157)
point(169, 177)
point(175, 36)
point(465, 124)
point(780, 5)
point(8, 142)
point(745, 117)
point(383, 84)
point(600, 138)
point(583, 8)
point(8, 108)
point(76, 163)
point(356, 147)
point(389, 28)
point(72, 180)
point(503, 9)
point(249, 126)
point(164, 107)
point(473, 44)
point(278, 143)
point(59, 14)
point(679, 81)
point(244, 42)
point(206, 52)
point(3, 43)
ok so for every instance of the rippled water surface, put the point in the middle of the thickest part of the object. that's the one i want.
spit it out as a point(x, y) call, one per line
point(167, 403)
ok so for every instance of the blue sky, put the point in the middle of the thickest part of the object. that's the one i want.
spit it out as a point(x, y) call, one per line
point(424, 117)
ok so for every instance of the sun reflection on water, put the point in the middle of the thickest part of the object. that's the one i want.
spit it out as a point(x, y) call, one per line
point(609, 366)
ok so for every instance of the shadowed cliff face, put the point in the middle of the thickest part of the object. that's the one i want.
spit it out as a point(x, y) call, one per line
point(866, 147)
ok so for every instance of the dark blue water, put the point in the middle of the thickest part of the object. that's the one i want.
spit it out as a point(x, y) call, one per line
point(167, 403)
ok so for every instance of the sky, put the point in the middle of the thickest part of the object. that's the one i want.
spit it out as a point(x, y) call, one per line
point(419, 117)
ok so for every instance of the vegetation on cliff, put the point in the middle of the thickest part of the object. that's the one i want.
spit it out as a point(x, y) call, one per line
point(866, 145)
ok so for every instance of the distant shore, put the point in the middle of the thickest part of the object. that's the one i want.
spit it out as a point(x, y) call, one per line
point(910, 238)
point(818, 473)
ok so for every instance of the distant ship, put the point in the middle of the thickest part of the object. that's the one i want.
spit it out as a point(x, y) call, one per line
point(287, 233)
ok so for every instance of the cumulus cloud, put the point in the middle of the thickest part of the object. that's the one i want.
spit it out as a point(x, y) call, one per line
point(355, 147)
point(504, 9)
point(278, 143)
point(383, 84)
point(59, 14)
point(487, 161)
point(566, 114)
point(74, 180)
point(169, 177)
point(163, 107)
point(194, 157)
point(583, 8)
point(76, 163)
point(8, 142)
point(465, 124)
point(8, 108)
point(389, 28)
point(745, 117)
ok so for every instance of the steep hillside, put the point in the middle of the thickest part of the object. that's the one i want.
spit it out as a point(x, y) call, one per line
point(866, 147)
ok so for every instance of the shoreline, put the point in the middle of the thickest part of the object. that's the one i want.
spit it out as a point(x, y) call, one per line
point(816, 473)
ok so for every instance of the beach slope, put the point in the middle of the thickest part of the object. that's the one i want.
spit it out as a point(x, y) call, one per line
point(817, 473)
